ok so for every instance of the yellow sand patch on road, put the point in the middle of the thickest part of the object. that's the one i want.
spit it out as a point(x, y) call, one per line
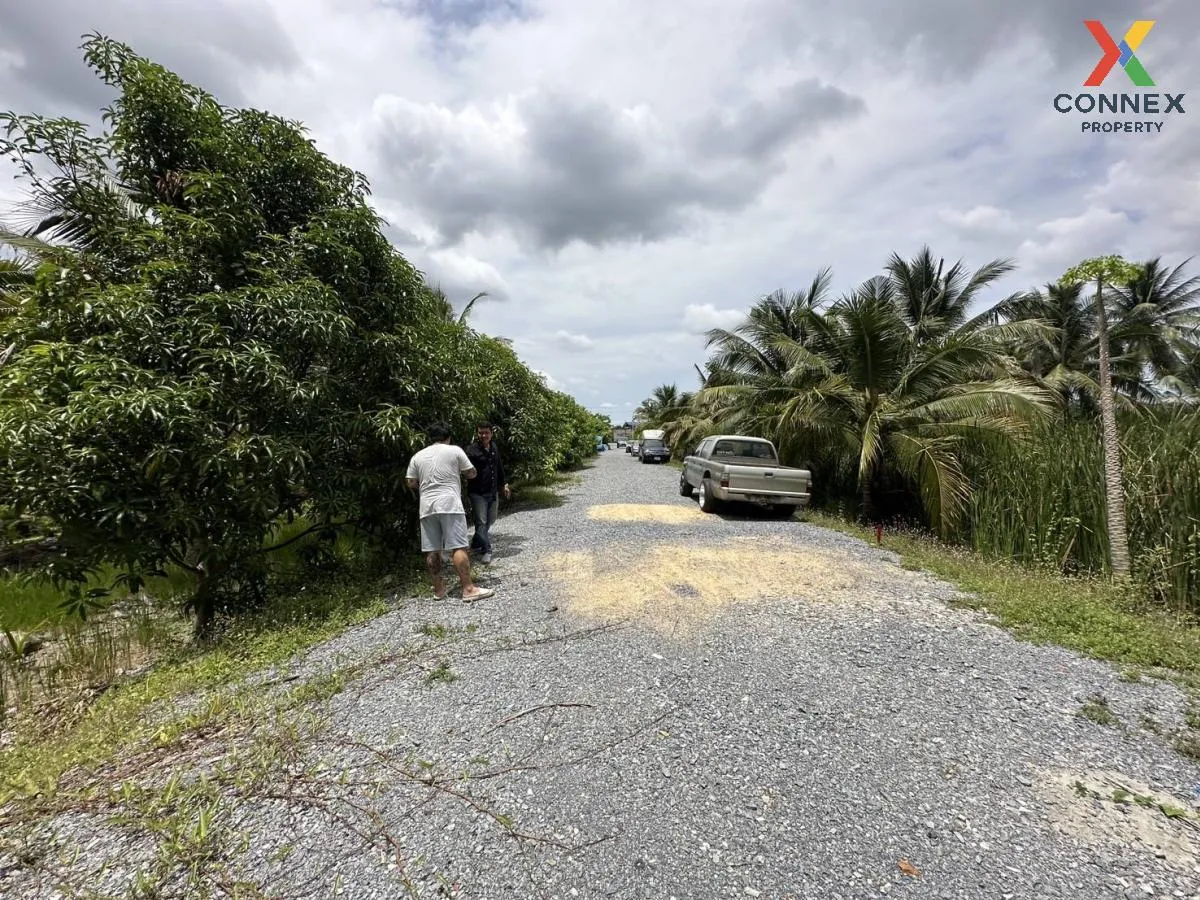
point(1099, 807)
point(681, 588)
point(645, 512)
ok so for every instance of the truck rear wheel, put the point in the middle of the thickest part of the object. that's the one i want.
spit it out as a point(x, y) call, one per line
point(685, 489)
point(708, 502)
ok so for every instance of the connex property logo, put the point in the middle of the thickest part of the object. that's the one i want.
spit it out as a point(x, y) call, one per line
point(1147, 105)
point(1120, 53)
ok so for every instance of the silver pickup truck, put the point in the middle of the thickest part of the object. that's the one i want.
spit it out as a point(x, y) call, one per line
point(731, 467)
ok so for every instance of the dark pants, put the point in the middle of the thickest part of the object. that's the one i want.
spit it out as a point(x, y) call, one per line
point(485, 510)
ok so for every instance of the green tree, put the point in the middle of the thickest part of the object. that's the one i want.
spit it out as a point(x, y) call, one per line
point(250, 348)
point(696, 418)
point(204, 334)
point(1156, 324)
point(445, 308)
point(934, 301)
point(665, 404)
point(15, 274)
point(1152, 337)
point(1062, 358)
point(1101, 271)
point(873, 385)
point(750, 348)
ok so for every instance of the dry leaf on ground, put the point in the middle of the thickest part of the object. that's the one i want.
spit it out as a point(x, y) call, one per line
point(909, 869)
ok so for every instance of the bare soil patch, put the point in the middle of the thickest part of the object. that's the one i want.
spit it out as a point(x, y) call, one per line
point(1106, 807)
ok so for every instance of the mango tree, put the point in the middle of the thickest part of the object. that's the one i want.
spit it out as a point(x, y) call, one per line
point(217, 336)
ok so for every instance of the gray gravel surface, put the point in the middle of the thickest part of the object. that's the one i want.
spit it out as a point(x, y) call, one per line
point(800, 744)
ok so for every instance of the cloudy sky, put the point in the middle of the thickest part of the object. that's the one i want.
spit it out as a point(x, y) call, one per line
point(621, 175)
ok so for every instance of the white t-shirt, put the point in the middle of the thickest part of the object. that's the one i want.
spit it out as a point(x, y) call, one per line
point(439, 469)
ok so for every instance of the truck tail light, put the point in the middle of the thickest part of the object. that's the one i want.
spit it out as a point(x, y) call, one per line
point(725, 480)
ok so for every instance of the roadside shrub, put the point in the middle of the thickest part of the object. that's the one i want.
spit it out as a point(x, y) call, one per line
point(216, 338)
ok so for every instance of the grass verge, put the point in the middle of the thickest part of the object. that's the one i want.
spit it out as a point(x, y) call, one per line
point(540, 493)
point(97, 709)
point(1090, 615)
point(41, 749)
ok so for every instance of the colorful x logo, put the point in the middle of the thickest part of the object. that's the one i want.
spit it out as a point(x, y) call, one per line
point(1120, 53)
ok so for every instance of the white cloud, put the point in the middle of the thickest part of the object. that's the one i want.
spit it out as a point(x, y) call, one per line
point(548, 379)
point(573, 341)
point(983, 219)
point(465, 275)
point(542, 156)
point(1059, 243)
point(700, 318)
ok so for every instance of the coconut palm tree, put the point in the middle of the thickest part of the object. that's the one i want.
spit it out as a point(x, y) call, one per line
point(665, 404)
point(74, 200)
point(444, 308)
point(1063, 358)
point(700, 418)
point(1186, 386)
point(749, 348)
point(935, 301)
point(14, 274)
point(1156, 321)
point(1148, 354)
point(462, 318)
point(861, 383)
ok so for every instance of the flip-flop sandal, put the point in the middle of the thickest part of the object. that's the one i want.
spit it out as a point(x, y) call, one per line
point(483, 594)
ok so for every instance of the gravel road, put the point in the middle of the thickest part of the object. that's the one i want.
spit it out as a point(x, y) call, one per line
point(659, 703)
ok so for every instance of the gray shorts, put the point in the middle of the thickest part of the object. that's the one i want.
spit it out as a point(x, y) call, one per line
point(444, 531)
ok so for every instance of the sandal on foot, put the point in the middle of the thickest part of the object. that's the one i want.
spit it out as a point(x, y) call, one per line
point(483, 594)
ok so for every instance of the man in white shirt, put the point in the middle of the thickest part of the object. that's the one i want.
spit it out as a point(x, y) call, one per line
point(436, 473)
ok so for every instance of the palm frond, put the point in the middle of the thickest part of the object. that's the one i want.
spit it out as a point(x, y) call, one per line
point(969, 401)
point(934, 465)
point(462, 318)
point(32, 247)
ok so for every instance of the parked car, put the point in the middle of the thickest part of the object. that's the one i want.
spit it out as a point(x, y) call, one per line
point(654, 450)
point(729, 467)
point(632, 448)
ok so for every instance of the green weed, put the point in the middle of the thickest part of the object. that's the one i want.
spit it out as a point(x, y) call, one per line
point(1097, 710)
point(1089, 614)
point(441, 674)
point(1188, 744)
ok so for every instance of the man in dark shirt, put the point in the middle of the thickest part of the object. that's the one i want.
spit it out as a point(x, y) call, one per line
point(484, 489)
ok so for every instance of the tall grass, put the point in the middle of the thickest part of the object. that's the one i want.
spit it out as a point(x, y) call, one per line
point(130, 631)
point(1044, 504)
point(28, 605)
